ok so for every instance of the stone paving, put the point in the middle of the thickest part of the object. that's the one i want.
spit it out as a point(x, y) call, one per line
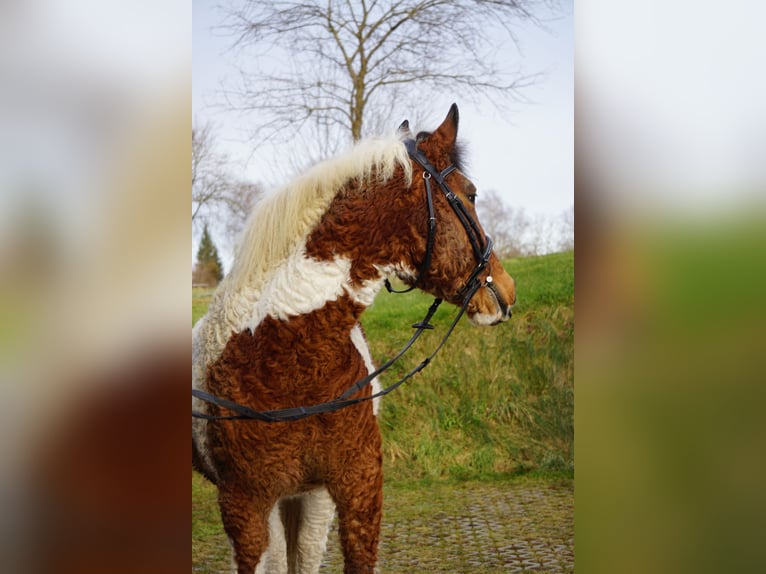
point(481, 528)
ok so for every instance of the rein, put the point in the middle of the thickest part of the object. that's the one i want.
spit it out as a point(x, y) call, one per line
point(482, 250)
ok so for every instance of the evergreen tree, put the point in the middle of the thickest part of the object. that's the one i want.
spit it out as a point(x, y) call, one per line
point(208, 268)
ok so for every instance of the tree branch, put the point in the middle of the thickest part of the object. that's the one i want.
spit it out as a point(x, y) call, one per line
point(333, 62)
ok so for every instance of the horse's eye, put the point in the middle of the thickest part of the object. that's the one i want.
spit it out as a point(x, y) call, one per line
point(472, 198)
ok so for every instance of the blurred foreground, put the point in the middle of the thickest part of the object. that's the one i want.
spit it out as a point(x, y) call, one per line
point(670, 283)
point(94, 150)
point(669, 372)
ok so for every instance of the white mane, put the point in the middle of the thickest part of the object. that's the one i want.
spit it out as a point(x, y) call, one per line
point(281, 222)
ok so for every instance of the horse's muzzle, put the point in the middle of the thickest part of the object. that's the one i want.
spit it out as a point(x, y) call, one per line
point(506, 309)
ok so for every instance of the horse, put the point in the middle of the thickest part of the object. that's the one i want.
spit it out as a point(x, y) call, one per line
point(282, 331)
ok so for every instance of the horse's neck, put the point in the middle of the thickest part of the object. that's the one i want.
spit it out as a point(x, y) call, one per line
point(364, 229)
point(341, 257)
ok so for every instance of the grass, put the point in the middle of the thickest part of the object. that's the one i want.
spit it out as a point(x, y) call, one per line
point(496, 400)
point(209, 543)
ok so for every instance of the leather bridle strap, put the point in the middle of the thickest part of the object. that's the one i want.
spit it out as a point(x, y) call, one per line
point(430, 238)
point(481, 248)
point(470, 225)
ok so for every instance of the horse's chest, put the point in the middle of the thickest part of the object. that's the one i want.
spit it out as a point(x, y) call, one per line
point(269, 370)
point(298, 454)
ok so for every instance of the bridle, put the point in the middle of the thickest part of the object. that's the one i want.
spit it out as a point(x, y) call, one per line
point(482, 249)
point(481, 244)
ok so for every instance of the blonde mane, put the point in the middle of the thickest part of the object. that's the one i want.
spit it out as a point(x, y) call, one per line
point(280, 222)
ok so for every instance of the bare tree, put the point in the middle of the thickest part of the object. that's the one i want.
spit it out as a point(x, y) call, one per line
point(566, 229)
point(239, 201)
point(542, 234)
point(216, 196)
point(210, 180)
point(517, 234)
point(338, 64)
point(508, 227)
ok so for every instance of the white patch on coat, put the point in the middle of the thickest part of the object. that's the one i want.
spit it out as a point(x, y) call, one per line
point(199, 381)
point(357, 337)
point(303, 284)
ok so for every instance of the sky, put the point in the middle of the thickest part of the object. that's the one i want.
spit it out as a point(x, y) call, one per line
point(526, 155)
point(671, 102)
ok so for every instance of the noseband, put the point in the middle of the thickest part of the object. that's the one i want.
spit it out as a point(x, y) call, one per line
point(481, 245)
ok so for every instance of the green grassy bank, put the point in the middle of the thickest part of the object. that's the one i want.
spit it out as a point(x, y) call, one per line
point(495, 401)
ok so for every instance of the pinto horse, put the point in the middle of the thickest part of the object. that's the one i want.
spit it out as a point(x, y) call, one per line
point(283, 331)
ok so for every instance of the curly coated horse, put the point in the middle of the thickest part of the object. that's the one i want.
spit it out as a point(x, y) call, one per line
point(282, 331)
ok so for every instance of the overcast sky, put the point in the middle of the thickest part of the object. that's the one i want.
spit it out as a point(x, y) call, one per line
point(525, 155)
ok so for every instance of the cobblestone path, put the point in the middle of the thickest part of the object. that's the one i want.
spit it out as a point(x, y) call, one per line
point(477, 528)
point(524, 525)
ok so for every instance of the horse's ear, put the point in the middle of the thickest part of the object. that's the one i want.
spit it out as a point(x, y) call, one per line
point(447, 132)
point(404, 129)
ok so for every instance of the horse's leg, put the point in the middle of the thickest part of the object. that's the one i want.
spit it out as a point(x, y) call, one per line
point(307, 522)
point(246, 521)
point(360, 503)
point(274, 558)
point(357, 487)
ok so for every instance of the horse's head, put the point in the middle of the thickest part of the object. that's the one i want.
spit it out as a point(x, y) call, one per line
point(456, 259)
